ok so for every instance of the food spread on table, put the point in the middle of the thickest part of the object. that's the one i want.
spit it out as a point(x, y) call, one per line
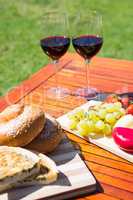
point(29, 127)
point(106, 119)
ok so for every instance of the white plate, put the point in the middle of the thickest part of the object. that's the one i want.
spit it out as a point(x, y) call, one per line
point(104, 142)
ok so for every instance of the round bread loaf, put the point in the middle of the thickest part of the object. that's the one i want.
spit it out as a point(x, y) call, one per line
point(49, 138)
point(20, 124)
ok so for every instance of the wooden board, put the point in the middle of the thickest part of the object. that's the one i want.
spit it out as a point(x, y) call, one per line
point(74, 178)
point(104, 142)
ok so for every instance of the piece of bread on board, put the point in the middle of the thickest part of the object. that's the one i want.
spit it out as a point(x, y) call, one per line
point(49, 138)
point(16, 164)
point(48, 173)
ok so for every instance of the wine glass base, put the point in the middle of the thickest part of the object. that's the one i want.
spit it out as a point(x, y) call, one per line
point(57, 92)
point(88, 93)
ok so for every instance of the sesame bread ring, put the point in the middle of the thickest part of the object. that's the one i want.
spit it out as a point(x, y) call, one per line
point(20, 124)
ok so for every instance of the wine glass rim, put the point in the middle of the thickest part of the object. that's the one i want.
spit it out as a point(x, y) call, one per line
point(55, 12)
point(93, 12)
point(56, 15)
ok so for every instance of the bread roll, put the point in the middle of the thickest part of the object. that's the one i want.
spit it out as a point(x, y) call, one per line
point(49, 138)
point(20, 124)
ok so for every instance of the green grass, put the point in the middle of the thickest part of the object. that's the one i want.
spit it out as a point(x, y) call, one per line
point(21, 29)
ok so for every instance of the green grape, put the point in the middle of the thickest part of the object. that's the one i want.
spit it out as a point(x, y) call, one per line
point(83, 124)
point(91, 125)
point(97, 107)
point(98, 120)
point(73, 124)
point(110, 108)
point(80, 114)
point(82, 132)
point(102, 113)
point(110, 118)
point(118, 105)
point(92, 115)
point(107, 129)
point(77, 115)
point(117, 114)
point(72, 117)
point(122, 111)
point(93, 135)
point(99, 126)
point(83, 127)
point(104, 105)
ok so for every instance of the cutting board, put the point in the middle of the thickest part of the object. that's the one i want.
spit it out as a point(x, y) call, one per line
point(104, 142)
point(74, 178)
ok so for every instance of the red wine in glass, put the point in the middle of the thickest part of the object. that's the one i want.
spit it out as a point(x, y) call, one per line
point(55, 43)
point(87, 41)
point(87, 45)
point(55, 46)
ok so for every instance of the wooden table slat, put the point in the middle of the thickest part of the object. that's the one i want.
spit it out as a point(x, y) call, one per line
point(108, 162)
point(118, 183)
point(116, 173)
point(117, 192)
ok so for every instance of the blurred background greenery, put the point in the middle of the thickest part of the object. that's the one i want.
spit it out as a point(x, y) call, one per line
point(22, 26)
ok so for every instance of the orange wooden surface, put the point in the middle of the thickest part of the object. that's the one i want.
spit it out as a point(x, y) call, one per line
point(114, 175)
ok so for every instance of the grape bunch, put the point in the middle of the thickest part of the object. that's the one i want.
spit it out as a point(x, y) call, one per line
point(97, 120)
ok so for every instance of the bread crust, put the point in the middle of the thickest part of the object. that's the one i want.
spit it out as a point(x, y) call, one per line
point(20, 124)
point(49, 138)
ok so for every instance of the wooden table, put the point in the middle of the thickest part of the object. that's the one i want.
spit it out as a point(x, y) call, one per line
point(114, 174)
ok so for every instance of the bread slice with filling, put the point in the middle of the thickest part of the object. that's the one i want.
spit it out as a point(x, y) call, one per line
point(16, 164)
point(48, 173)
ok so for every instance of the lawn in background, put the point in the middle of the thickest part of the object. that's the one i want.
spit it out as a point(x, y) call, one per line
point(22, 26)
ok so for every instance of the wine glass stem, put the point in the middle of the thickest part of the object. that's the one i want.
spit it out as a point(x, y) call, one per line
point(87, 66)
point(55, 62)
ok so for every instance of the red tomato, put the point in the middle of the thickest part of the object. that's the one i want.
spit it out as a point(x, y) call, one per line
point(130, 109)
point(125, 101)
point(112, 98)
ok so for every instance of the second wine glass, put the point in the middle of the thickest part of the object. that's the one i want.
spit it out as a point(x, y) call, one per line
point(55, 44)
point(87, 41)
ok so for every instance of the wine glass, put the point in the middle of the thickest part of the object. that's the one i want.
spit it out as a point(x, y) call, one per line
point(87, 40)
point(55, 43)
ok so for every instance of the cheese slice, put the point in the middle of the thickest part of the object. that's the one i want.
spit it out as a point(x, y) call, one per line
point(125, 121)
